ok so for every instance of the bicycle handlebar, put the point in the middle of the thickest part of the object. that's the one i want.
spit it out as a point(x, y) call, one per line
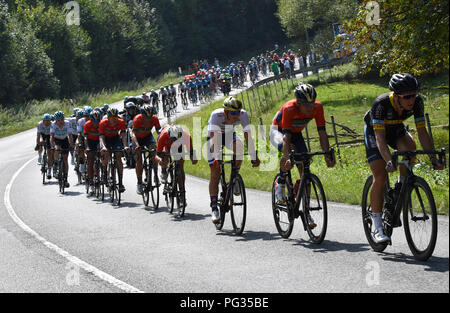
point(309, 155)
point(412, 153)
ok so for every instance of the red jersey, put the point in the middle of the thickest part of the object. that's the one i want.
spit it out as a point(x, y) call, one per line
point(143, 128)
point(277, 119)
point(110, 131)
point(165, 143)
point(91, 131)
point(294, 121)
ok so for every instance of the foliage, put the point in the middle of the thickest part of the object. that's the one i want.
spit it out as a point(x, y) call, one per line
point(411, 36)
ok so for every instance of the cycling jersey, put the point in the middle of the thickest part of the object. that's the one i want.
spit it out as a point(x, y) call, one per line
point(42, 129)
point(143, 128)
point(217, 122)
point(73, 124)
point(165, 143)
point(109, 131)
point(80, 124)
point(61, 133)
point(277, 119)
point(383, 114)
point(294, 121)
point(91, 131)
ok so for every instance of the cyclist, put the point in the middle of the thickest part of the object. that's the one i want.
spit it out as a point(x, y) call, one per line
point(91, 139)
point(80, 129)
point(171, 140)
point(60, 139)
point(221, 132)
point(142, 136)
point(113, 137)
point(295, 115)
point(384, 127)
point(43, 131)
point(154, 99)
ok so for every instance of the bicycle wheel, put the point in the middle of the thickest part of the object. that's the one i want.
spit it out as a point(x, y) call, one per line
point(173, 192)
point(168, 190)
point(103, 181)
point(147, 178)
point(283, 222)
point(154, 190)
point(238, 205)
point(61, 174)
point(222, 207)
point(44, 168)
point(369, 227)
point(315, 209)
point(420, 219)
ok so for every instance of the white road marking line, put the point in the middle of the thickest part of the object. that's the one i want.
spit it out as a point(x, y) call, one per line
point(80, 263)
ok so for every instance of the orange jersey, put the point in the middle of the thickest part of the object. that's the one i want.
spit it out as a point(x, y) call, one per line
point(91, 131)
point(143, 128)
point(294, 121)
point(165, 143)
point(110, 131)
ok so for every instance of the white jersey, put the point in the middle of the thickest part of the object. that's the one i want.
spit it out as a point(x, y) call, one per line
point(73, 124)
point(42, 129)
point(80, 126)
point(61, 133)
point(217, 122)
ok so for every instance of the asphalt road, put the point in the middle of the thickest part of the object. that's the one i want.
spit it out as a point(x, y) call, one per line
point(74, 243)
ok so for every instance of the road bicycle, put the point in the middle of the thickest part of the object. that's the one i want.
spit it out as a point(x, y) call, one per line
point(306, 199)
point(150, 182)
point(174, 189)
point(62, 173)
point(232, 197)
point(113, 178)
point(414, 199)
point(44, 163)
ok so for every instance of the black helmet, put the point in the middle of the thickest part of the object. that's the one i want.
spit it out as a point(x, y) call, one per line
point(148, 110)
point(112, 112)
point(403, 82)
point(130, 105)
point(95, 115)
point(305, 93)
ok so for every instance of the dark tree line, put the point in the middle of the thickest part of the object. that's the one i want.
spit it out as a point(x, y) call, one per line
point(41, 56)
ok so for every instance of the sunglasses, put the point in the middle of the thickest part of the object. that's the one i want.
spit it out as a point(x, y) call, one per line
point(409, 96)
point(308, 104)
point(235, 112)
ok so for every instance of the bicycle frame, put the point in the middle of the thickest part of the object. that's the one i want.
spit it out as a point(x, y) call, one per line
point(409, 179)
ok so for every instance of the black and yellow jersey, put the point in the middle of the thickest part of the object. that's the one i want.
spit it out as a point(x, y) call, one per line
point(384, 115)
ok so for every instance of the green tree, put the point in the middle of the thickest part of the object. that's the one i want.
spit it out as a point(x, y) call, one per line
point(411, 36)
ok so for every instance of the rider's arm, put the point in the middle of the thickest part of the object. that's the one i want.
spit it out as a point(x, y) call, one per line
point(380, 136)
point(425, 141)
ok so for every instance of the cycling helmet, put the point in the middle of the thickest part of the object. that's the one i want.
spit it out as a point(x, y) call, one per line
point(59, 115)
point(46, 117)
point(75, 110)
point(80, 113)
point(95, 115)
point(87, 110)
point(232, 104)
point(147, 110)
point(52, 118)
point(305, 93)
point(130, 105)
point(105, 106)
point(126, 98)
point(403, 82)
point(112, 112)
point(175, 132)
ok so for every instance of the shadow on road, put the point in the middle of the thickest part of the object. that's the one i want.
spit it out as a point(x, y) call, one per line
point(331, 246)
point(250, 235)
point(191, 217)
point(434, 264)
point(72, 193)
